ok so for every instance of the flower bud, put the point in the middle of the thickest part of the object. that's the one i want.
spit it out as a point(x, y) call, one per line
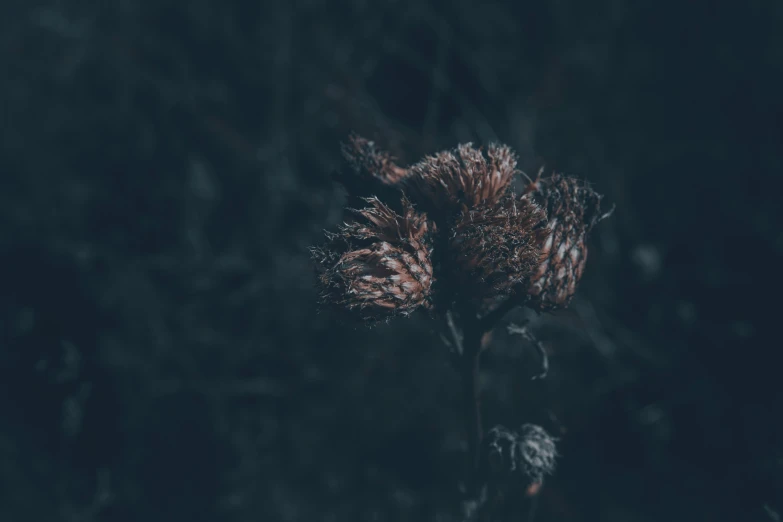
point(501, 450)
point(377, 266)
point(495, 248)
point(464, 178)
point(529, 454)
point(537, 451)
point(572, 210)
point(371, 170)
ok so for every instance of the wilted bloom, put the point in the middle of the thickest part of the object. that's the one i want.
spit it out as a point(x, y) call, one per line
point(495, 248)
point(538, 452)
point(572, 209)
point(529, 454)
point(370, 167)
point(451, 181)
point(501, 447)
point(379, 265)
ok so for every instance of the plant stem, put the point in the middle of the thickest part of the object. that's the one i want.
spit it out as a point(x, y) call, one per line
point(489, 321)
point(469, 342)
point(473, 341)
point(471, 359)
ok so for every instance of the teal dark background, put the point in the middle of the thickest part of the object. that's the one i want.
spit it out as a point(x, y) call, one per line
point(166, 164)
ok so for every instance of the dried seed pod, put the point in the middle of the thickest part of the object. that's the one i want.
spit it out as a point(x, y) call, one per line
point(370, 169)
point(529, 454)
point(501, 449)
point(379, 265)
point(572, 210)
point(496, 248)
point(451, 181)
point(538, 452)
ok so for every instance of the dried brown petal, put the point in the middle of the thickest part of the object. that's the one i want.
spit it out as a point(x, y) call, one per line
point(496, 248)
point(572, 209)
point(464, 178)
point(379, 265)
point(379, 221)
point(371, 164)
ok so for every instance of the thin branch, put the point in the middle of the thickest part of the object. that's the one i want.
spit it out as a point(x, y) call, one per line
point(771, 513)
point(470, 374)
point(528, 336)
point(531, 514)
point(456, 335)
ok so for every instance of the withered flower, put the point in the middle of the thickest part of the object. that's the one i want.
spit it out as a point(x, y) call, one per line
point(538, 452)
point(572, 209)
point(377, 266)
point(494, 248)
point(370, 168)
point(464, 178)
point(529, 454)
point(502, 450)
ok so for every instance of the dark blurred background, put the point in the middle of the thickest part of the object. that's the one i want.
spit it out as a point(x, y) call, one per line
point(165, 166)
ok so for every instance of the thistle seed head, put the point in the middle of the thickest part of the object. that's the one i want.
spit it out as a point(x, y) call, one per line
point(370, 167)
point(378, 265)
point(494, 248)
point(529, 454)
point(538, 452)
point(572, 210)
point(464, 178)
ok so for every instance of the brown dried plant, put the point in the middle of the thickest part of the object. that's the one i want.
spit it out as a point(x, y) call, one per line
point(485, 245)
point(378, 265)
point(368, 161)
point(573, 209)
point(495, 248)
point(464, 178)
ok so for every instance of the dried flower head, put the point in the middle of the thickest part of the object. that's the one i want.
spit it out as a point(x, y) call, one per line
point(496, 248)
point(538, 452)
point(377, 266)
point(463, 178)
point(369, 165)
point(501, 450)
point(530, 453)
point(572, 209)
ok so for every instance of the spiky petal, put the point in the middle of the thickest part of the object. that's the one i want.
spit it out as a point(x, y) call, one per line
point(572, 210)
point(370, 168)
point(464, 178)
point(377, 266)
point(495, 248)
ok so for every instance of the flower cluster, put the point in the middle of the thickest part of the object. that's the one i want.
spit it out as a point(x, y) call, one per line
point(453, 218)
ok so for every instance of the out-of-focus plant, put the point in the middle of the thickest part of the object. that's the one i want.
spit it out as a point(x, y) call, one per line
point(448, 235)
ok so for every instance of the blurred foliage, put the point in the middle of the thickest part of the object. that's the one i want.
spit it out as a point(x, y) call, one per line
point(166, 164)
